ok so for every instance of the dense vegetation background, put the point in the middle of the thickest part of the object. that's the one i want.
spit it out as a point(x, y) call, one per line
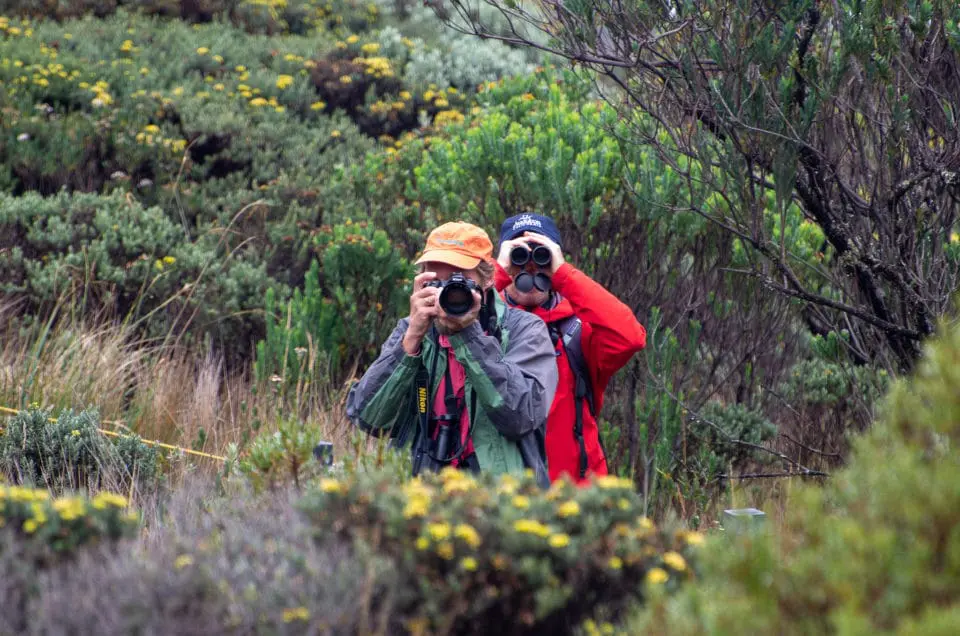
point(208, 212)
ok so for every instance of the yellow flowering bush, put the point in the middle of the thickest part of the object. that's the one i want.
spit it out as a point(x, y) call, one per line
point(494, 553)
point(55, 527)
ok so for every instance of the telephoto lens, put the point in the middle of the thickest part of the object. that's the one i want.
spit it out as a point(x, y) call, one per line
point(456, 299)
point(456, 294)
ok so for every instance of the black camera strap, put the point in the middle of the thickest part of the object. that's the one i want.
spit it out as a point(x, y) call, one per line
point(426, 417)
point(569, 331)
point(422, 385)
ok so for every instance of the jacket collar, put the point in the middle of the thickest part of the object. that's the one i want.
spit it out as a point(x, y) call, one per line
point(558, 308)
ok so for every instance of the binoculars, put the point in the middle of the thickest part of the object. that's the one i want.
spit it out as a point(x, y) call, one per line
point(456, 295)
point(521, 255)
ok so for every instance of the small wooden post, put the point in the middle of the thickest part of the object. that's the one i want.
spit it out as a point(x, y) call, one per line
point(743, 520)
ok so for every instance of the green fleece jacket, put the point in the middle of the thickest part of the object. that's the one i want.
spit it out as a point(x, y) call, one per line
point(514, 380)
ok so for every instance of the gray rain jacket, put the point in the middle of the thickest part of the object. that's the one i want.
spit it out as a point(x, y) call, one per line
point(512, 382)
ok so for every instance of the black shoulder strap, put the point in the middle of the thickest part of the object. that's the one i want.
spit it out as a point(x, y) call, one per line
point(570, 331)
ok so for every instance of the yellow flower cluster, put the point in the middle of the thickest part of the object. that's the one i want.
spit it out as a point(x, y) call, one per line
point(39, 518)
point(66, 508)
point(447, 117)
point(378, 67)
point(438, 531)
point(531, 526)
point(150, 136)
point(381, 108)
point(568, 509)
point(656, 576)
point(468, 534)
point(592, 629)
point(284, 81)
point(331, 485)
point(295, 613)
point(456, 481)
point(418, 499)
point(24, 28)
point(675, 560)
point(611, 482)
point(102, 96)
point(18, 494)
point(69, 508)
point(106, 499)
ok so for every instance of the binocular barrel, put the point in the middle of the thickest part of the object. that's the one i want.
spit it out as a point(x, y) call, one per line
point(521, 255)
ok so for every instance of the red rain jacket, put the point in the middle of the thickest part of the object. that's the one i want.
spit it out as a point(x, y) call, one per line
point(610, 335)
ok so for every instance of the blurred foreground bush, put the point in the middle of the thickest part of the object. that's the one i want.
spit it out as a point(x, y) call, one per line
point(50, 529)
point(875, 551)
point(500, 556)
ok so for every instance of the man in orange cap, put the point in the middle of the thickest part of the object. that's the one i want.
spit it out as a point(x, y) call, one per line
point(464, 380)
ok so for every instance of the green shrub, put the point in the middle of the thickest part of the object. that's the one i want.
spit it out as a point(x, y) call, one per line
point(720, 426)
point(283, 456)
point(69, 452)
point(875, 550)
point(485, 555)
point(326, 330)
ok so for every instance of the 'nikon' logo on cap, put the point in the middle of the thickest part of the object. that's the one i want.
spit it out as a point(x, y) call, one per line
point(526, 221)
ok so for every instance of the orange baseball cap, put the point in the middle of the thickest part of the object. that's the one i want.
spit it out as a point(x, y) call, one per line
point(459, 244)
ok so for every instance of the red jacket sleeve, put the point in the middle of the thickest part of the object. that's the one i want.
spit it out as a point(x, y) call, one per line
point(616, 332)
point(501, 279)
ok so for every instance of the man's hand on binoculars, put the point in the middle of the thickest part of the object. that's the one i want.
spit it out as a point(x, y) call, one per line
point(503, 258)
point(540, 239)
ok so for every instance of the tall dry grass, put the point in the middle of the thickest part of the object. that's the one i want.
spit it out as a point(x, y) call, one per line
point(163, 391)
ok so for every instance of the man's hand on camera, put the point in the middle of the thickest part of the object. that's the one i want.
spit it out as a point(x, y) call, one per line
point(424, 307)
point(453, 324)
point(557, 254)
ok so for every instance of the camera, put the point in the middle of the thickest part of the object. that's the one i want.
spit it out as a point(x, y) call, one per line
point(521, 255)
point(456, 295)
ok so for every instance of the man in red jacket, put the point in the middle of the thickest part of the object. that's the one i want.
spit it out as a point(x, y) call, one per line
point(599, 333)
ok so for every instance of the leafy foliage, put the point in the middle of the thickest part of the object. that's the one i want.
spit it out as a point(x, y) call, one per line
point(875, 549)
point(804, 103)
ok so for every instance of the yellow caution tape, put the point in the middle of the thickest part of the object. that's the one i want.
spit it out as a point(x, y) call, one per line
point(188, 451)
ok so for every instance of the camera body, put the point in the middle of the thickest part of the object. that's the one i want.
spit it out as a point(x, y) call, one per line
point(456, 293)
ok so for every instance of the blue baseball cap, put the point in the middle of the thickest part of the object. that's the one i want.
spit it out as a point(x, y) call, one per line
point(516, 225)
